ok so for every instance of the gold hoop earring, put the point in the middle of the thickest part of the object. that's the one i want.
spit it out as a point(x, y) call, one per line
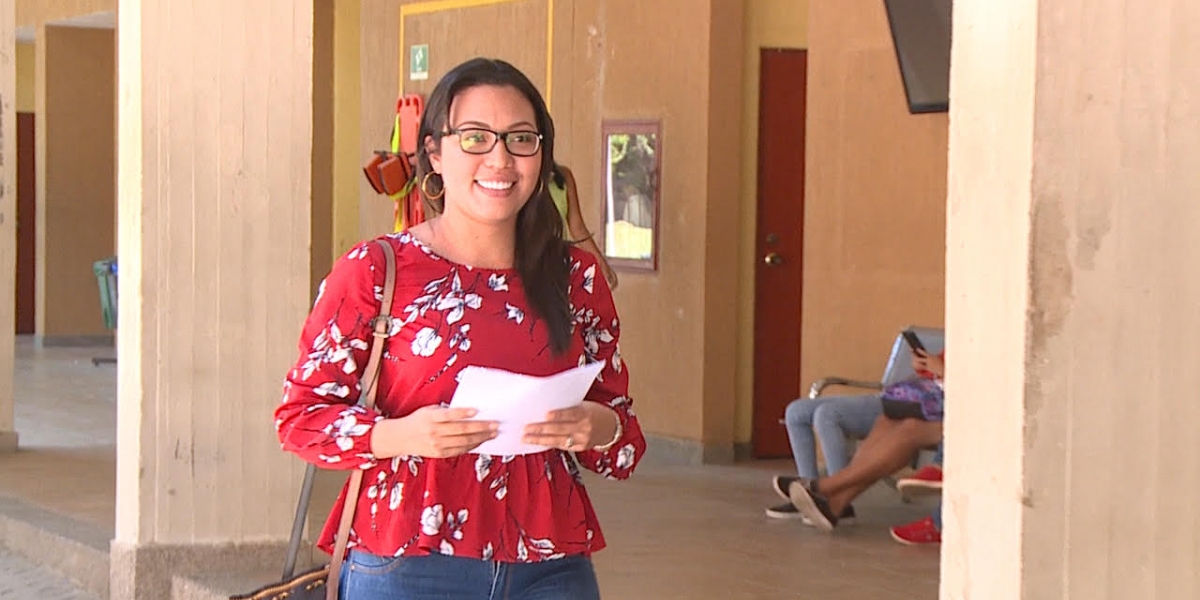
point(425, 187)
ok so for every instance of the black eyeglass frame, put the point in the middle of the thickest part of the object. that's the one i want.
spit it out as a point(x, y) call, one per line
point(458, 131)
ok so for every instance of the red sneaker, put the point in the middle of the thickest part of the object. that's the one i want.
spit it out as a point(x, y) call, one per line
point(924, 482)
point(918, 533)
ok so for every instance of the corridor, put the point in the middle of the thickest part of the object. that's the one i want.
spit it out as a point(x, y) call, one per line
point(674, 532)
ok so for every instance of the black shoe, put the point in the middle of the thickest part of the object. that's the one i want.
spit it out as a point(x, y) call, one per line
point(786, 511)
point(848, 514)
point(781, 483)
point(813, 506)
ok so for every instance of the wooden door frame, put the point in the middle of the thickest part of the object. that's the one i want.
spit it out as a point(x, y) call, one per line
point(25, 312)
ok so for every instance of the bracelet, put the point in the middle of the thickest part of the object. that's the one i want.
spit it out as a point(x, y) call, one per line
point(616, 436)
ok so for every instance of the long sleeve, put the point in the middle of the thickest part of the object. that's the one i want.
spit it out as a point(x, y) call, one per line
point(596, 315)
point(319, 419)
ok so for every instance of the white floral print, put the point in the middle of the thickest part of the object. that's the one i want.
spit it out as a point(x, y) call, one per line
point(426, 342)
point(432, 519)
point(446, 316)
point(514, 313)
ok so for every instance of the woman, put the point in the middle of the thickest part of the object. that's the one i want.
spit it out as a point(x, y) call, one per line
point(489, 282)
point(566, 200)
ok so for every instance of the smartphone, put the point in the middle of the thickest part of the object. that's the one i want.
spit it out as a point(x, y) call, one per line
point(914, 342)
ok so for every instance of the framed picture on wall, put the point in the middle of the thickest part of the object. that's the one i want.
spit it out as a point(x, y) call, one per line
point(630, 172)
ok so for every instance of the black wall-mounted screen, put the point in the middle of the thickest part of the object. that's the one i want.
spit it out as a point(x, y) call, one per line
point(921, 33)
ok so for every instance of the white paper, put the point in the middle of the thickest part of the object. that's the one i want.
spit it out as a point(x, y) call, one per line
point(515, 400)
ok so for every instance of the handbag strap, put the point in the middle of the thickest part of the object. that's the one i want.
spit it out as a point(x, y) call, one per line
point(381, 325)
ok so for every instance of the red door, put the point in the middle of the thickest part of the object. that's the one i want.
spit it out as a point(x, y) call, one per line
point(779, 245)
point(26, 299)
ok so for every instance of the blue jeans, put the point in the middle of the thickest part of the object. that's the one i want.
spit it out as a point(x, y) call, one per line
point(833, 418)
point(937, 512)
point(437, 577)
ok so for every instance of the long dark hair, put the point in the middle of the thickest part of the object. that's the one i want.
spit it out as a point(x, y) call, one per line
point(541, 254)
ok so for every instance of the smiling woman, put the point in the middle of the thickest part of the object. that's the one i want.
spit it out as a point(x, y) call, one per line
point(488, 282)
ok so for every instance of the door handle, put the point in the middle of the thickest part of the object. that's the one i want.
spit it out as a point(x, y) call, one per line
point(772, 259)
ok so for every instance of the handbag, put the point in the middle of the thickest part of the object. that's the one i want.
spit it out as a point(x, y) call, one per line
point(914, 399)
point(321, 583)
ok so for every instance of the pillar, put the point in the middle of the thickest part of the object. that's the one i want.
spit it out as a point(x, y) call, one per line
point(720, 263)
point(1072, 322)
point(8, 218)
point(215, 152)
point(76, 173)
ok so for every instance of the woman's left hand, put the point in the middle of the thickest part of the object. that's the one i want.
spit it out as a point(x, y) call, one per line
point(574, 429)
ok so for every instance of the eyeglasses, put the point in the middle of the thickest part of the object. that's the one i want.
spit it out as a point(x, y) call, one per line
point(477, 140)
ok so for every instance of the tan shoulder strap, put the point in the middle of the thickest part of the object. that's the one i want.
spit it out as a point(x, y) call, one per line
point(382, 325)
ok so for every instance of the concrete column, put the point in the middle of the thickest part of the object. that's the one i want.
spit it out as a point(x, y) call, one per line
point(1072, 302)
point(76, 171)
point(215, 151)
point(8, 218)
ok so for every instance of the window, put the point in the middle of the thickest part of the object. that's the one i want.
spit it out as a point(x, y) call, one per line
point(631, 200)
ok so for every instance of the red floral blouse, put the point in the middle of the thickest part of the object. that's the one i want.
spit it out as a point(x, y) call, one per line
point(446, 316)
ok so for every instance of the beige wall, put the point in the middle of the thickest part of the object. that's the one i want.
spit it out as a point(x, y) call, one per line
point(874, 248)
point(1072, 469)
point(26, 81)
point(76, 170)
point(599, 70)
point(722, 197)
point(379, 66)
point(769, 24)
point(38, 12)
point(323, 143)
point(347, 100)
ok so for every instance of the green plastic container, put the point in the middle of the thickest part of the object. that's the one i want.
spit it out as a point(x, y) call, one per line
point(106, 279)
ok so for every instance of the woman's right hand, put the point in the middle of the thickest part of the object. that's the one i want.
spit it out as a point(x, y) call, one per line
point(431, 432)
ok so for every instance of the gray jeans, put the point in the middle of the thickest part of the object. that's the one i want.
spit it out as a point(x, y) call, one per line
point(833, 418)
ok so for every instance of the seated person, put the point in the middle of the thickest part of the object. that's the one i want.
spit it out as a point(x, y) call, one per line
point(833, 419)
point(895, 437)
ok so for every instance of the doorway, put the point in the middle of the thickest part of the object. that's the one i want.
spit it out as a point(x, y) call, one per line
point(26, 294)
point(779, 244)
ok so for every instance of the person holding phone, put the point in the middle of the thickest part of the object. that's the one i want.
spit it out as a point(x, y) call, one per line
point(831, 420)
point(890, 445)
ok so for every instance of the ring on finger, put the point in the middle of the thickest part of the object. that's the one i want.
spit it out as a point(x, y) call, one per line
point(570, 441)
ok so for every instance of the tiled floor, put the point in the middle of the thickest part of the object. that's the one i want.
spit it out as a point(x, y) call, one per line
point(674, 533)
point(21, 579)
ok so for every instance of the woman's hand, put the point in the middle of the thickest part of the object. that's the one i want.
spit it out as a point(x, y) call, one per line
point(431, 432)
point(579, 428)
point(924, 361)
